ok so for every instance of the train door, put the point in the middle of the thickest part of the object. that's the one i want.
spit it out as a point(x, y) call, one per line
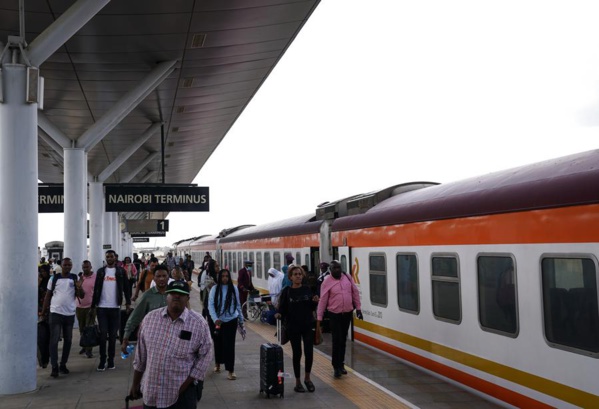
point(344, 255)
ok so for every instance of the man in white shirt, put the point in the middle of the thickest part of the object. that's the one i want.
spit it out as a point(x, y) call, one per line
point(60, 299)
point(110, 286)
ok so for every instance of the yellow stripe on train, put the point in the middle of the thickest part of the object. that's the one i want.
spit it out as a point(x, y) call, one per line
point(545, 386)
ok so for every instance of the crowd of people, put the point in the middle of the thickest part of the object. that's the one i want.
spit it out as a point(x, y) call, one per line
point(173, 376)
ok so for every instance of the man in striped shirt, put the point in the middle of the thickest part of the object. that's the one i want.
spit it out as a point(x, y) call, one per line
point(173, 352)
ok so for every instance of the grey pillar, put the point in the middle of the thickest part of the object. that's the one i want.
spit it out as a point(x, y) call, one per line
point(96, 224)
point(18, 234)
point(75, 205)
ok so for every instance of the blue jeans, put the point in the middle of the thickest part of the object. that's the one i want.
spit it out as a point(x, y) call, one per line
point(60, 323)
point(109, 320)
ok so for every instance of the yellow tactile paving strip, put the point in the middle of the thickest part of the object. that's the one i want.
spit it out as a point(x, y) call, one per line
point(354, 387)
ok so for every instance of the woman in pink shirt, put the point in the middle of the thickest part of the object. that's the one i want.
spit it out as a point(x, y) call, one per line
point(87, 280)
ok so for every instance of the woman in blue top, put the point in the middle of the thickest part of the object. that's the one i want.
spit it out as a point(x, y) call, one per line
point(225, 311)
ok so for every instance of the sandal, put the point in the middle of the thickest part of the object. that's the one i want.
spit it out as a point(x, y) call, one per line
point(299, 388)
point(217, 369)
point(232, 376)
point(309, 386)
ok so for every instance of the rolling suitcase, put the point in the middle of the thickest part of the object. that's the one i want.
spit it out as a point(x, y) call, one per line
point(271, 368)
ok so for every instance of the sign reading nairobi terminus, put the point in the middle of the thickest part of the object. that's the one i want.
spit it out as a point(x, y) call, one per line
point(157, 199)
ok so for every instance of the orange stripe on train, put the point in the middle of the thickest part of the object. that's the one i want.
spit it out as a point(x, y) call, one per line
point(575, 224)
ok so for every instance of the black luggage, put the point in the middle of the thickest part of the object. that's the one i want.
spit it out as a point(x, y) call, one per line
point(271, 370)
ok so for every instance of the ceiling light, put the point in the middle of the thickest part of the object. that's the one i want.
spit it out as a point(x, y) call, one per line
point(198, 40)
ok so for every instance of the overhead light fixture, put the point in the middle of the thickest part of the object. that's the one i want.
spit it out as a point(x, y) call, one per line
point(175, 129)
point(198, 40)
point(187, 82)
point(180, 109)
point(171, 144)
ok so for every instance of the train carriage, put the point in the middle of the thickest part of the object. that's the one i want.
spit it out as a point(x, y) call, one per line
point(268, 244)
point(489, 282)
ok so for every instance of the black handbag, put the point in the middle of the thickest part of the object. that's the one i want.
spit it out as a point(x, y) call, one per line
point(90, 337)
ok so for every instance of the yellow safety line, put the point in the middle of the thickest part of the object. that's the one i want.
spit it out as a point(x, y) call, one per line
point(361, 393)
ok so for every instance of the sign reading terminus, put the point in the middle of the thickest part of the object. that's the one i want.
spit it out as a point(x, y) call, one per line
point(157, 199)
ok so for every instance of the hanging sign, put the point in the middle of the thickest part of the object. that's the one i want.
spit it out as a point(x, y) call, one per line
point(50, 199)
point(123, 198)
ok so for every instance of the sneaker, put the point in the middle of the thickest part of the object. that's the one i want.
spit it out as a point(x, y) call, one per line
point(89, 354)
point(337, 373)
point(54, 373)
point(101, 367)
point(82, 351)
point(343, 371)
point(63, 369)
point(110, 366)
point(232, 376)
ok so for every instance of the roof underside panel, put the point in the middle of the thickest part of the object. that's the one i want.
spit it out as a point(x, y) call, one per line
point(216, 75)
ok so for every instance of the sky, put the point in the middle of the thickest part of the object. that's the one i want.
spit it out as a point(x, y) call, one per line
point(373, 94)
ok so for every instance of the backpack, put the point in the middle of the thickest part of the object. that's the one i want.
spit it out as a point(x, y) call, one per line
point(142, 284)
point(59, 276)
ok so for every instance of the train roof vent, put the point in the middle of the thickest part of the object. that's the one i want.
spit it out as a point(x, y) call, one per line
point(361, 204)
point(226, 232)
point(333, 210)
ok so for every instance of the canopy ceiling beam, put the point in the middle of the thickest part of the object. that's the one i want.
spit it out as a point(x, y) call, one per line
point(143, 164)
point(130, 150)
point(122, 108)
point(53, 132)
point(65, 26)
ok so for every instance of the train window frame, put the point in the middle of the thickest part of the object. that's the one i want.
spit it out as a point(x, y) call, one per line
point(276, 260)
point(446, 279)
point(343, 263)
point(259, 264)
point(244, 257)
point(251, 256)
point(267, 263)
point(378, 273)
point(415, 255)
point(479, 298)
point(575, 256)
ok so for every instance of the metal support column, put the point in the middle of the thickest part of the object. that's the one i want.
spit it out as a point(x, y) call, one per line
point(96, 223)
point(75, 205)
point(116, 233)
point(18, 233)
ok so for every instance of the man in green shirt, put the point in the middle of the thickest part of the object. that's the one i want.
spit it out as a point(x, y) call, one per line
point(150, 300)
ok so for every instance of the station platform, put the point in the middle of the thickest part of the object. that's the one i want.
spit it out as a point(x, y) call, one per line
point(374, 381)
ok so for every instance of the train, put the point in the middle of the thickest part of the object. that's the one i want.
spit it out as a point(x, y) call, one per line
point(489, 283)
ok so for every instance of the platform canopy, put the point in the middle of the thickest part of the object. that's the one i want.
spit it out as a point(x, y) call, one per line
point(224, 51)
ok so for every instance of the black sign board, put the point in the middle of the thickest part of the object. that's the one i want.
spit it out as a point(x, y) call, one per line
point(141, 225)
point(106, 246)
point(141, 240)
point(50, 199)
point(123, 198)
point(149, 234)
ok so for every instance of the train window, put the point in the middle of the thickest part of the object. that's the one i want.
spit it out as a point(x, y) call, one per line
point(497, 301)
point(266, 263)
point(259, 265)
point(446, 288)
point(343, 263)
point(570, 309)
point(407, 283)
point(307, 261)
point(276, 259)
point(298, 258)
point(245, 256)
point(378, 279)
point(226, 260)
